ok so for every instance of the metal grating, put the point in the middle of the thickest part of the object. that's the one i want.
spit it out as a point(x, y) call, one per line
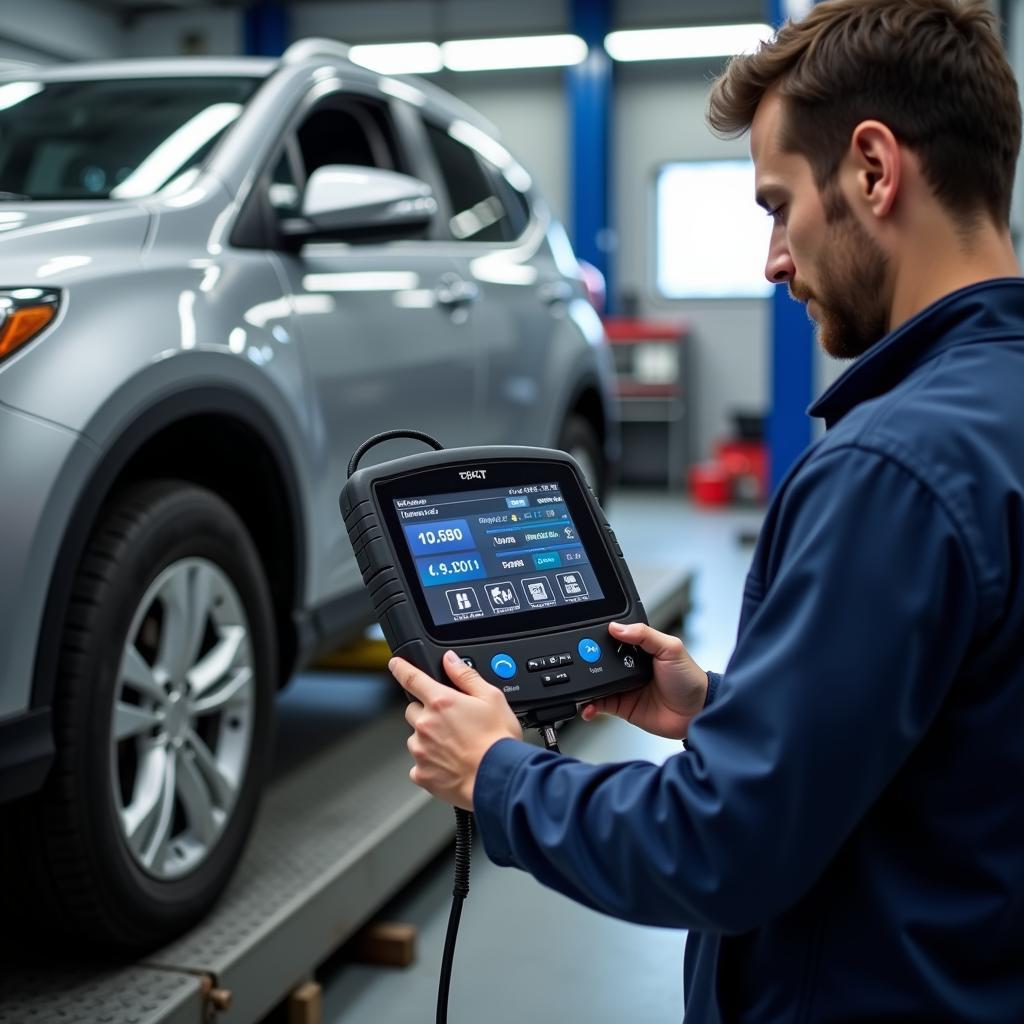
point(77, 995)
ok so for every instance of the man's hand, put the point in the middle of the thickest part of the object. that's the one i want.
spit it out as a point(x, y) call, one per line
point(666, 705)
point(452, 729)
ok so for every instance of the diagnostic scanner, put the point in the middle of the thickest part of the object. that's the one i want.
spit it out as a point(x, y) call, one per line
point(503, 555)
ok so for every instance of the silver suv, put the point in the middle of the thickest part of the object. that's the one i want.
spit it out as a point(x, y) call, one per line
point(217, 277)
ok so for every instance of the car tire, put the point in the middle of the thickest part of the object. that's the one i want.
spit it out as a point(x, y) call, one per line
point(169, 597)
point(580, 440)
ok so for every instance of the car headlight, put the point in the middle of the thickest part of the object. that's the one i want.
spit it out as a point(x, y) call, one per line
point(24, 312)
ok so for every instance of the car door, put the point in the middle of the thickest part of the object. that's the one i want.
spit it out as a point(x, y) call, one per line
point(519, 320)
point(382, 325)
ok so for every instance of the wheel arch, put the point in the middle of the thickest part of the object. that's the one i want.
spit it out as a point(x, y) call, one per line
point(589, 401)
point(215, 437)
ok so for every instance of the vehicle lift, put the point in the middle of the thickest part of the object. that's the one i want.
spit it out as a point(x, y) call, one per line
point(336, 838)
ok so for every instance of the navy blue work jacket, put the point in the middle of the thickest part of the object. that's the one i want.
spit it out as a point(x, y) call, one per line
point(845, 834)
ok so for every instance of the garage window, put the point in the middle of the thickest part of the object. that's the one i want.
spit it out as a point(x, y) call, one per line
point(711, 237)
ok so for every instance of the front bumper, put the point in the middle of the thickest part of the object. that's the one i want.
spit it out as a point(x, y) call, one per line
point(26, 752)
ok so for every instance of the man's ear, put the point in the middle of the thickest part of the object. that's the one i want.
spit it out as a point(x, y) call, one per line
point(876, 161)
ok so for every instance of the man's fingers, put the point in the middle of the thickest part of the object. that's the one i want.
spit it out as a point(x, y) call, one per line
point(413, 681)
point(424, 688)
point(619, 704)
point(465, 678)
point(663, 646)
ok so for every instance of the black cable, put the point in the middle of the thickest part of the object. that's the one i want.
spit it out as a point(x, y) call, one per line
point(463, 819)
point(550, 737)
point(463, 845)
point(388, 435)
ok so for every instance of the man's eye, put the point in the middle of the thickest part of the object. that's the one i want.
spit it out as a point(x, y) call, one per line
point(776, 214)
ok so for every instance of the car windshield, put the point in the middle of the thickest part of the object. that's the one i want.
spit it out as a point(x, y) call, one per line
point(113, 139)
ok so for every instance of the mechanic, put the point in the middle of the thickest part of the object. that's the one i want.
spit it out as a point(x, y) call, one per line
point(844, 834)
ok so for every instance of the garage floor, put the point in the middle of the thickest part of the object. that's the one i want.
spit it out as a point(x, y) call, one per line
point(565, 963)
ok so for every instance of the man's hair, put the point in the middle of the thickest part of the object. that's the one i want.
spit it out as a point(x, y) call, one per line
point(933, 71)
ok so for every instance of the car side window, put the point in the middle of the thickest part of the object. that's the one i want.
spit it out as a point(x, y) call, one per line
point(517, 207)
point(285, 189)
point(478, 214)
point(347, 130)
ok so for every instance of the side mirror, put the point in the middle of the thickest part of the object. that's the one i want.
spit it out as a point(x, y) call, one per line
point(361, 203)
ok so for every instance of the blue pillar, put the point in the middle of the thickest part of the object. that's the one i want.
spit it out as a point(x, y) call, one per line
point(792, 355)
point(266, 29)
point(589, 95)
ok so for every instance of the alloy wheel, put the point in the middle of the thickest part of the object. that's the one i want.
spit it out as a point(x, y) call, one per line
point(182, 720)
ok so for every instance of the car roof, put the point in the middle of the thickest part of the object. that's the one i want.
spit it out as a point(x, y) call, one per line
point(243, 67)
point(300, 56)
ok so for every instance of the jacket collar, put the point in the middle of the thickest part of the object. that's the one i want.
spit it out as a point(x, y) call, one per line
point(983, 311)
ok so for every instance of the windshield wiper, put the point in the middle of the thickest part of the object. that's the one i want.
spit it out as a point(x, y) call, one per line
point(13, 196)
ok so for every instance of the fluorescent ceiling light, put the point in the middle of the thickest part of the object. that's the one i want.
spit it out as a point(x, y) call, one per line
point(681, 43)
point(517, 52)
point(398, 58)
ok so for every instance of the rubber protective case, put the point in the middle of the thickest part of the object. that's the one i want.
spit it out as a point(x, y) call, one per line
point(531, 692)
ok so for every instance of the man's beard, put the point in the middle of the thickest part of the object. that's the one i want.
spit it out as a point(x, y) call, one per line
point(851, 298)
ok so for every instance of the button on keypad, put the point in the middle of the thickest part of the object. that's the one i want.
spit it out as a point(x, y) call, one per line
point(554, 678)
point(549, 661)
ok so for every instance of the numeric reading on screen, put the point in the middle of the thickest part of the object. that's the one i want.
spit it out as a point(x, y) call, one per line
point(429, 537)
point(496, 551)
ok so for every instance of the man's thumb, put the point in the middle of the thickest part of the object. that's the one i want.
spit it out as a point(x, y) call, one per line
point(467, 679)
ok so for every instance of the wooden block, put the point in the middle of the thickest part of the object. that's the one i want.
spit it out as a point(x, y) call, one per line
point(363, 655)
point(304, 1004)
point(386, 944)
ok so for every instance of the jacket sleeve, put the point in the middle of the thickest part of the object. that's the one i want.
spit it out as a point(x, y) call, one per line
point(836, 676)
point(714, 681)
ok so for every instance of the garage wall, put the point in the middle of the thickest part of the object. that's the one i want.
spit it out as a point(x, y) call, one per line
point(215, 31)
point(400, 20)
point(659, 116)
point(54, 30)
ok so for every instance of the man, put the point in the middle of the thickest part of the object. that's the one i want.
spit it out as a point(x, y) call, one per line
point(844, 835)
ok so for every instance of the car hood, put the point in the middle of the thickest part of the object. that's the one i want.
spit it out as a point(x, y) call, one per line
point(43, 240)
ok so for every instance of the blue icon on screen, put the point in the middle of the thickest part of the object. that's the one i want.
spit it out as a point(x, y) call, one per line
point(547, 560)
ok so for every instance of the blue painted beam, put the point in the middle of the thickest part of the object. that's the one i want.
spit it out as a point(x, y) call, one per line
point(589, 95)
point(792, 350)
point(266, 29)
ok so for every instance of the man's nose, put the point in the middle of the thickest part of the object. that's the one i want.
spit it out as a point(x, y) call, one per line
point(779, 269)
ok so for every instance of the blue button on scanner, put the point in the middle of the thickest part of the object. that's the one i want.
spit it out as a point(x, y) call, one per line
point(589, 650)
point(503, 666)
